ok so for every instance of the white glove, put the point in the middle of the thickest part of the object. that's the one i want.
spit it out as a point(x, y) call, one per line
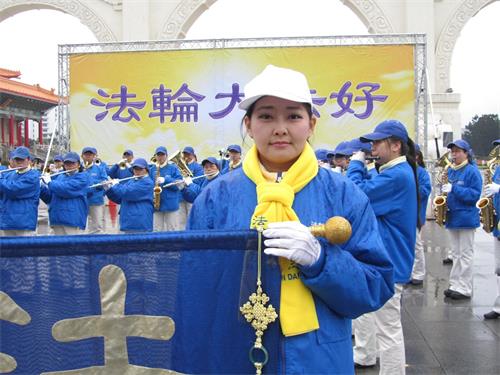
point(160, 180)
point(446, 188)
point(114, 181)
point(46, 178)
point(324, 165)
point(337, 169)
point(359, 155)
point(188, 180)
point(292, 240)
point(491, 189)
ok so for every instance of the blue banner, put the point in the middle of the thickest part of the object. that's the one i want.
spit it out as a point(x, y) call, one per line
point(150, 303)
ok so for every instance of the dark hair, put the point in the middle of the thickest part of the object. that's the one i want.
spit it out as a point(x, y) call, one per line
point(408, 149)
point(420, 159)
point(249, 113)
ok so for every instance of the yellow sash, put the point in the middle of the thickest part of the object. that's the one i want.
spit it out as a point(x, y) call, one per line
point(274, 202)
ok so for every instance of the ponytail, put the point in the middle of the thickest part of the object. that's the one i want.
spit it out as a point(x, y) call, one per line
point(408, 149)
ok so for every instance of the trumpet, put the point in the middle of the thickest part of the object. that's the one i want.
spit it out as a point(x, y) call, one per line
point(224, 154)
point(97, 161)
point(123, 164)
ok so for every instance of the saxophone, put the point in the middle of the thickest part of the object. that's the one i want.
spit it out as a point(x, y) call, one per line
point(157, 189)
point(439, 202)
point(485, 205)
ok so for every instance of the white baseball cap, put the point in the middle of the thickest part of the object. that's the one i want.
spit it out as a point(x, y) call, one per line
point(280, 82)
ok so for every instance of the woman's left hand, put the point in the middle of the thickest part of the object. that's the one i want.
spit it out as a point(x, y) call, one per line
point(292, 240)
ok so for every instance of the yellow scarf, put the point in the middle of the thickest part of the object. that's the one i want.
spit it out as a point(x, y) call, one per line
point(274, 202)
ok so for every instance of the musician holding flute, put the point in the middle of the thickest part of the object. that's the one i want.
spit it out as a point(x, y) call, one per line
point(211, 172)
point(135, 199)
point(20, 191)
point(67, 197)
point(316, 287)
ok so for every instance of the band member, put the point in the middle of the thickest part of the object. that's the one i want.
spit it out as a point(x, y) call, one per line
point(280, 180)
point(67, 197)
point(196, 169)
point(190, 158)
point(135, 199)
point(393, 195)
point(122, 168)
point(462, 217)
point(424, 189)
point(211, 170)
point(95, 196)
point(234, 152)
point(321, 156)
point(493, 190)
point(166, 216)
point(57, 166)
point(20, 192)
point(342, 153)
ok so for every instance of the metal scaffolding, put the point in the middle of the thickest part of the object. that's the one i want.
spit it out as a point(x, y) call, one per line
point(418, 41)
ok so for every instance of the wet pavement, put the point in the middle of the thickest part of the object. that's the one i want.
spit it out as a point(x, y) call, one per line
point(442, 336)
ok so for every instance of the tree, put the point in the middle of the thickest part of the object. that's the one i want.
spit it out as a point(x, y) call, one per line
point(480, 132)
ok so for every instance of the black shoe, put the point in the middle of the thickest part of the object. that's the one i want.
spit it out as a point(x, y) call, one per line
point(491, 315)
point(447, 292)
point(361, 367)
point(457, 295)
point(416, 282)
point(447, 261)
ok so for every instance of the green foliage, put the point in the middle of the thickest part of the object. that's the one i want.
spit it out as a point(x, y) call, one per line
point(480, 132)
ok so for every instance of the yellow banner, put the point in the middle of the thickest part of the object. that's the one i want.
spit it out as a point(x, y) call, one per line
point(141, 100)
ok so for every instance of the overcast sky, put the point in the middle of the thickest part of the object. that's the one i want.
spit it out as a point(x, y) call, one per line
point(475, 64)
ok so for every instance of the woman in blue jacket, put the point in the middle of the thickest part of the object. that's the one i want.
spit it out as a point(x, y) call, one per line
point(167, 216)
point(393, 196)
point(462, 217)
point(280, 180)
point(424, 189)
point(19, 192)
point(211, 170)
point(135, 199)
point(493, 190)
point(67, 197)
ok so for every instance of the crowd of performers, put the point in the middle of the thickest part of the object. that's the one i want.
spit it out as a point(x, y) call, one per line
point(378, 182)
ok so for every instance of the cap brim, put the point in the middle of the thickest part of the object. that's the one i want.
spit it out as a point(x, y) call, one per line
point(247, 102)
point(373, 137)
point(496, 142)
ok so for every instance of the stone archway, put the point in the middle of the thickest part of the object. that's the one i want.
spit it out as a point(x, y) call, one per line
point(72, 7)
point(187, 12)
point(448, 37)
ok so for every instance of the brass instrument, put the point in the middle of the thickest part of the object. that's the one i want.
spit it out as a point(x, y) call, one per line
point(123, 164)
point(224, 154)
point(439, 202)
point(179, 161)
point(157, 189)
point(485, 205)
point(97, 161)
point(87, 164)
point(153, 159)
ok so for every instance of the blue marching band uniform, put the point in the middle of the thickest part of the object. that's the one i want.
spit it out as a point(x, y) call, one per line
point(385, 204)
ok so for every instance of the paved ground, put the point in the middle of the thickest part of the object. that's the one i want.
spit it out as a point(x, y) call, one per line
point(442, 336)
